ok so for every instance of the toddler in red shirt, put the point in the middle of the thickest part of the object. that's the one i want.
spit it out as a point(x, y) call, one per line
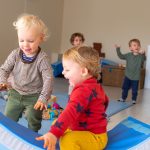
point(83, 124)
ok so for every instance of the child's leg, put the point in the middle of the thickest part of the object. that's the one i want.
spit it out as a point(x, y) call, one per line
point(125, 88)
point(14, 107)
point(135, 84)
point(34, 117)
point(83, 140)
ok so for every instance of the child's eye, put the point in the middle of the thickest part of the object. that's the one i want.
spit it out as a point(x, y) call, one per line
point(30, 41)
point(66, 70)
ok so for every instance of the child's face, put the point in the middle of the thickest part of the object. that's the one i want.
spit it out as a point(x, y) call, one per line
point(72, 71)
point(29, 41)
point(77, 41)
point(134, 47)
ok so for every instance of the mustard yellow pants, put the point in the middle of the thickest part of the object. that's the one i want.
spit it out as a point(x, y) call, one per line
point(83, 140)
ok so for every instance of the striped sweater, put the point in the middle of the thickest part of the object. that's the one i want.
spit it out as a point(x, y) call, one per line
point(28, 78)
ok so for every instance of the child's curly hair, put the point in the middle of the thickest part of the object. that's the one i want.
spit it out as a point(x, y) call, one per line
point(26, 21)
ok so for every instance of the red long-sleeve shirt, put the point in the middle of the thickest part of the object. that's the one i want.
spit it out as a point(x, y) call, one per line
point(85, 110)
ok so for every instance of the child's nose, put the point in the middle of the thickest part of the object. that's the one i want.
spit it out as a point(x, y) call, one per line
point(26, 43)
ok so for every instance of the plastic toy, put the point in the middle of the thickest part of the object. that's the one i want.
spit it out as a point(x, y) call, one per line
point(56, 105)
point(53, 109)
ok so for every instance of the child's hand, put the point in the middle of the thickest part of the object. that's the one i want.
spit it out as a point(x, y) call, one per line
point(117, 46)
point(141, 51)
point(49, 140)
point(3, 87)
point(40, 105)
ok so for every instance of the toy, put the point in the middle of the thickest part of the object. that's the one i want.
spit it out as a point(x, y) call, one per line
point(53, 109)
point(46, 114)
point(56, 105)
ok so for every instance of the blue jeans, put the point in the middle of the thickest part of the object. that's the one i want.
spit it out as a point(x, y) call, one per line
point(127, 84)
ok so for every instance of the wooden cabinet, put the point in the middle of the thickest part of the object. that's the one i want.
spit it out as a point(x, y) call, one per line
point(114, 76)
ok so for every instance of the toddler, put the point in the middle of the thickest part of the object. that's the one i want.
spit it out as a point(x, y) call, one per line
point(83, 124)
point(29, 72)
point(134, 62)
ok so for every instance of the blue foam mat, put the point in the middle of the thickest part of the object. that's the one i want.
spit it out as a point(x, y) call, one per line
point(129, 134)
point(19, 134)
point(115, 107)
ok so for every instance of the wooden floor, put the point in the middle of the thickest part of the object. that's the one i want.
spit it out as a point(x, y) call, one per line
point(140, 111)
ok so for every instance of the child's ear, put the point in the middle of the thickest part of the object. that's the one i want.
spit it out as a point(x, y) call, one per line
point(84, 72)
point(42, 37)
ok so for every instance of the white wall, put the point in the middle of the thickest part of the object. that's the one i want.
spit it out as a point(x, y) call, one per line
point(107, 21)
point(8, 13)
point(50, 11)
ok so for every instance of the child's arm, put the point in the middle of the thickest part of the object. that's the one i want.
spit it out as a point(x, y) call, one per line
point(47, 79)
point(7, 67)
point(106, 102)
point(120, 55)
point(141, 51)
point(117, 46)
point(49, 140)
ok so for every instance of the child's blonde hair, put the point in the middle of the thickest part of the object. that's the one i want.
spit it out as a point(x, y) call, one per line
point(86, 57)
point(26, 21)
